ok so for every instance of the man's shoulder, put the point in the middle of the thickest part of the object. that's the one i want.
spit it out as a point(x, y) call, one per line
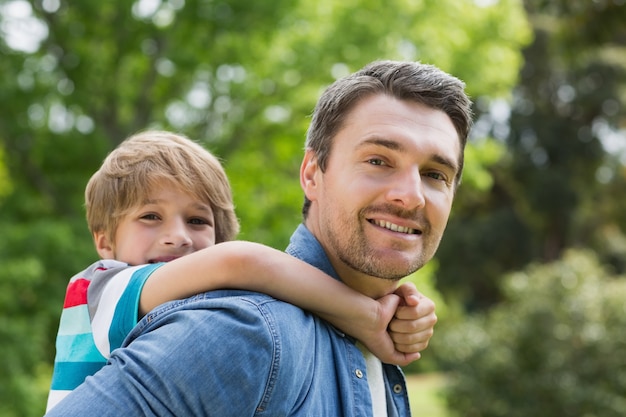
point(255, 302)
point(215, 335)
point(257, 325)
point(237, 309)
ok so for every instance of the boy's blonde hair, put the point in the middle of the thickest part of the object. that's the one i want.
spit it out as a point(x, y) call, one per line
point(147, 160)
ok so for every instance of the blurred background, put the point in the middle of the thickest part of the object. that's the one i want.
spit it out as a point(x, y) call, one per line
point(530, 277)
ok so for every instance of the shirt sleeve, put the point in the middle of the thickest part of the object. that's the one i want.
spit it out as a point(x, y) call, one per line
point(113, 300)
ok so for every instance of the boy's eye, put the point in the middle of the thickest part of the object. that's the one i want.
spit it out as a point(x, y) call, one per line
point(150, 217)
point(198, 221)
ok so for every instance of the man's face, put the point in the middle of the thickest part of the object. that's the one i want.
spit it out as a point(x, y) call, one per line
point(383, 203)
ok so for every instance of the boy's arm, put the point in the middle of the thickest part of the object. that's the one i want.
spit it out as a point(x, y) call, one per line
point(256, 267)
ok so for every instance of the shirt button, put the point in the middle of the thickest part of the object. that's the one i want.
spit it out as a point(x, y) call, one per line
point(359, 373)
point(397, 388)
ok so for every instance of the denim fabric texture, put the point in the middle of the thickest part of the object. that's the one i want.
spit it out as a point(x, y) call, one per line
point(236, 353)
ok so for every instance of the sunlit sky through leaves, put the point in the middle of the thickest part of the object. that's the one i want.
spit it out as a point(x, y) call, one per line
point(20, 29)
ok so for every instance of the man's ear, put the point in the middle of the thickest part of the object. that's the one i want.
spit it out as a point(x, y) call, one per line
point(309, 175)
point(104, 246)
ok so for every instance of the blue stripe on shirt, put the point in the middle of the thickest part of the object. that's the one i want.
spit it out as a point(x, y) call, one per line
point(126, 311)
point(69, 375)
point(77, 348)
point(75, 320)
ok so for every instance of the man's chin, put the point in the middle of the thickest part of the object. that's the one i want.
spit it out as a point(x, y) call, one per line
point(393, 268)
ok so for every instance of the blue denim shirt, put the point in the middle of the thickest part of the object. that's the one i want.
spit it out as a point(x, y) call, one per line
point(304, 246)
point(236, 353)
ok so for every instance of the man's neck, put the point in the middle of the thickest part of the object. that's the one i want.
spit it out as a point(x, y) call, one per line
point(373, 287)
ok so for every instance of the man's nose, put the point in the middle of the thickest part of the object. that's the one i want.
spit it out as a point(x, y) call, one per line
point(407, 190)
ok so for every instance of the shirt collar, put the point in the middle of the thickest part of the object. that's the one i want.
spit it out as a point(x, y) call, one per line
point(303, 245)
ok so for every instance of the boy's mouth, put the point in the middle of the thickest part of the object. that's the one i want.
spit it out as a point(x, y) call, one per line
point(162, 259)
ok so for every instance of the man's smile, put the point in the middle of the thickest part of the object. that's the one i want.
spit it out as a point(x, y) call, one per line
point(394, 227)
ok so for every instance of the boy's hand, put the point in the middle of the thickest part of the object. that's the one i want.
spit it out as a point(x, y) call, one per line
point(397, 329)
point(413, 323)
point(377, 337)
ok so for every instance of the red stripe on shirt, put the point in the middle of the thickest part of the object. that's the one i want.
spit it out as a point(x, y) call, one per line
point(76, 293)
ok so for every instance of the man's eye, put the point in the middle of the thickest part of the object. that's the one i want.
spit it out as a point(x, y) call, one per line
point(376, 161)
point(436, 176)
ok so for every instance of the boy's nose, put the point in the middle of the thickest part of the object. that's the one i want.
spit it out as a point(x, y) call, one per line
point(177, 235)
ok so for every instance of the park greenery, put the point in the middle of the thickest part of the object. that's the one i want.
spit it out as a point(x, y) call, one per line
point(556, 347)
point(530, 275)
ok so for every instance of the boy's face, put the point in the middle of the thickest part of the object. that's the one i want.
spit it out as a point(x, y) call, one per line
point(170, 224)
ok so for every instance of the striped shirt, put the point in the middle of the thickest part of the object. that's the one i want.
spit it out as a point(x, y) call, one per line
point(100, 309)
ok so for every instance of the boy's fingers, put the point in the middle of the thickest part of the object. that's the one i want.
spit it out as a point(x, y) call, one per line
point(412, 342)
point(403, 359)
point(409, 294)
point(388, 307)
point(412, 325)
point(411, 348)
point(414, 338)
point(425, 307)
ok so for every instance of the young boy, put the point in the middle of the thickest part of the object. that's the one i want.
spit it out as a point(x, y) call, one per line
point(157, 209)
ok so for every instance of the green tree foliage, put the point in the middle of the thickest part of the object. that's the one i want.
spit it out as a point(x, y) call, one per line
point(560, 182)
point(557, 347)
point(5, 183)
point(239, 76)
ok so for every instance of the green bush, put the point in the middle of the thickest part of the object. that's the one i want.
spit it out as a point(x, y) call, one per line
point(557, 347)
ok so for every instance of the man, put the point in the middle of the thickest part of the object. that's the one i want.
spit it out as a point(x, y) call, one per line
point(384, 155)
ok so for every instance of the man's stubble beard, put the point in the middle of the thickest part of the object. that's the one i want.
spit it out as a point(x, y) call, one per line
point(353, 250)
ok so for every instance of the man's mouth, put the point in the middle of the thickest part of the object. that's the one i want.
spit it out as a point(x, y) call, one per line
point(395, 228)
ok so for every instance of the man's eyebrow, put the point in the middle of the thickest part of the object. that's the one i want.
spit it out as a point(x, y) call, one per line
point(397, 146)
point(452, 164)
point(379, 141)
